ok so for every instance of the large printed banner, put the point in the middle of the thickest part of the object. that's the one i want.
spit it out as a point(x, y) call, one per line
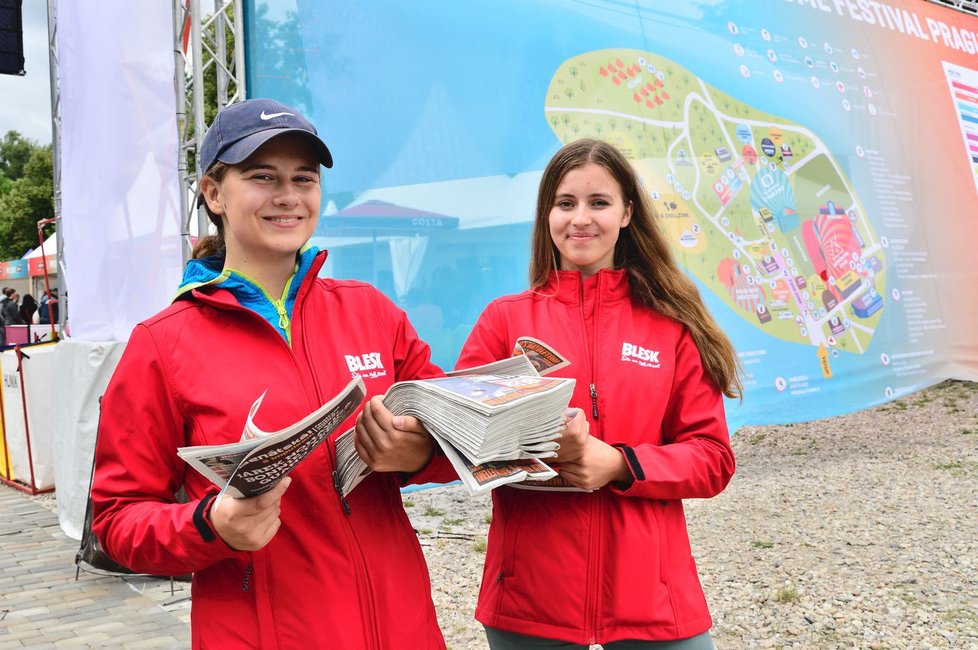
point(815, 164)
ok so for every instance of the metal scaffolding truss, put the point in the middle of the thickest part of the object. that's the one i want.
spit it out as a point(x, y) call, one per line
point(967, 6)
point(202, 49)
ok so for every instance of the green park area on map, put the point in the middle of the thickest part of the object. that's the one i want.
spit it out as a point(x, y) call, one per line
point(756, 207)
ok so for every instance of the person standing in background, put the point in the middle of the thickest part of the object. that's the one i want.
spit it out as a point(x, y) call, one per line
point(10, 308)
point(48, 308)
point(28, 307)
point(607, 558)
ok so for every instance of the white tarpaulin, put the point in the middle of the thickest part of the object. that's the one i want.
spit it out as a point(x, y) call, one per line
point(84, 370)
point(119, 184)
point(34, 386)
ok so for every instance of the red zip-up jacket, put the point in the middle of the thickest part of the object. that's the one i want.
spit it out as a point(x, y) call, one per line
point(611, 564)
point(188, 377)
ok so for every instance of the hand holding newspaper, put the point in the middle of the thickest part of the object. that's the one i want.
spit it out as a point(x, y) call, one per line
point(261, 459)
point(494, 422)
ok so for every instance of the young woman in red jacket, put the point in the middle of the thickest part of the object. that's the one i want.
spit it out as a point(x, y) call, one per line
point(608, 561)
point(298, 566)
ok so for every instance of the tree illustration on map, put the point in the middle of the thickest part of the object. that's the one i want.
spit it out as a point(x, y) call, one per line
point(755, 206)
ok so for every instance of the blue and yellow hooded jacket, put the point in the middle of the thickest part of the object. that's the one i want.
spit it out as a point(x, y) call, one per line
point(210, 271)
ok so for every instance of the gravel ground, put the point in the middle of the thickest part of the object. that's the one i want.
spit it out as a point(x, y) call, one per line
point(859, 531)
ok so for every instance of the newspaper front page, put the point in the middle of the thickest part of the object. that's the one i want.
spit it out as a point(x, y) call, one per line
point(261, 459)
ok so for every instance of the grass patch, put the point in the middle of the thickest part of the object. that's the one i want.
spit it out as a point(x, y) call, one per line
point(432, 511)
point(479, 546)
point(759, 543)
point(424, 531)
point(487, 519)
point(787, 595)
point(960, 615)
point(453, 522)
point(408, 503)
point(757, 438)
point(950, 402)
point(952, 465)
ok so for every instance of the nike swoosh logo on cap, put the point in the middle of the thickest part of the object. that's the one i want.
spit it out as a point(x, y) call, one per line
point(268, 116)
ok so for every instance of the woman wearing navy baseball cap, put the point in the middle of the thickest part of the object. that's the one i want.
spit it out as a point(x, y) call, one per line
point(298, 566)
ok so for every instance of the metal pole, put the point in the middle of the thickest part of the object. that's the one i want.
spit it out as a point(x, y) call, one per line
point(56, 160)
point(180, 83)
point(240, 87)
point(197, 91)
point(220, 53)
point(47, 282)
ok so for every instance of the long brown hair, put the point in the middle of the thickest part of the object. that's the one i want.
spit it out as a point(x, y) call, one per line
point(655, 278)
point(210, 245)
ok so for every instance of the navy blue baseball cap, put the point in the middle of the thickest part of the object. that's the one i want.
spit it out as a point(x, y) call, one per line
point(239, 129)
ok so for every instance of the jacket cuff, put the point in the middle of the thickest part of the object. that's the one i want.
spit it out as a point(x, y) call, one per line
point(634, 466)
point(202, 520)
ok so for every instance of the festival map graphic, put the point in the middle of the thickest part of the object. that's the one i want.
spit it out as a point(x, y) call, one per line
point(756, 206)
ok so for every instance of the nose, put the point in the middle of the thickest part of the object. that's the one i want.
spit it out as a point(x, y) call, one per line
point(287, 194)
point(582, 216)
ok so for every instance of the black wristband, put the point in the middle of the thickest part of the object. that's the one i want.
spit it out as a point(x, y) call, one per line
point(200, 518)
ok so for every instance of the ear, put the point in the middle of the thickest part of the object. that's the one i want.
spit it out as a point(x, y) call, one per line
point(627, 217)
point(211, 191)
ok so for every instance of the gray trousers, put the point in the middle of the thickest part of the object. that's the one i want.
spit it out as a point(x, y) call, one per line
point(500, 640)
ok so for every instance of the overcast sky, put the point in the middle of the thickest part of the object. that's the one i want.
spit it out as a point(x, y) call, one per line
point(25, 102)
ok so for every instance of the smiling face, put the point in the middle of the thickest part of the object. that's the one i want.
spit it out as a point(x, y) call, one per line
point(587, 215)
point(269, 204)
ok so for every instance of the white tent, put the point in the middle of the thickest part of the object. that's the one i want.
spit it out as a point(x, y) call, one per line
point(37, 285)
point(50, 248)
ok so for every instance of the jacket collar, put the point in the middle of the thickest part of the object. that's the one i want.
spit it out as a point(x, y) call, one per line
point(208, 272)
point(570, 286)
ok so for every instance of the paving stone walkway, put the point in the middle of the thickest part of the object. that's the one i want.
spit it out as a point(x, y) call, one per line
point(43, 605)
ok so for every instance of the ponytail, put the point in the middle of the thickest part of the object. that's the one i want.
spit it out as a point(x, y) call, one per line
point(211, 245)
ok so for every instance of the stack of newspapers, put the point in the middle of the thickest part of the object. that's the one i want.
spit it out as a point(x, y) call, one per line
point(494, 423)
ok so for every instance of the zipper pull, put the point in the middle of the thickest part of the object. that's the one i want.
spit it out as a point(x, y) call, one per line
point(594, 401)
point(283, 316)
point(339, 491)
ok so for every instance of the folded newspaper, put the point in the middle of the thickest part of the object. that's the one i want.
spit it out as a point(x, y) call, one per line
point(261, 459)
point(494, 423)
point(541, 356)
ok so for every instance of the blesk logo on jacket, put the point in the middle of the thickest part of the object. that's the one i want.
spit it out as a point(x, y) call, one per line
point(368, 365)
point(642, 356)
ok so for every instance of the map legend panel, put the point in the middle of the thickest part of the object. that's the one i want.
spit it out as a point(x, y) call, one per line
point(963, 86)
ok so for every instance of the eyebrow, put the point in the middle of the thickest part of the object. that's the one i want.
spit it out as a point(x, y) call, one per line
point(301, 168)
point(590, 196)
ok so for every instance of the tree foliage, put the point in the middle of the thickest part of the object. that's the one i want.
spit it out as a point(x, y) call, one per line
point(15, 151)
point(26, 193)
